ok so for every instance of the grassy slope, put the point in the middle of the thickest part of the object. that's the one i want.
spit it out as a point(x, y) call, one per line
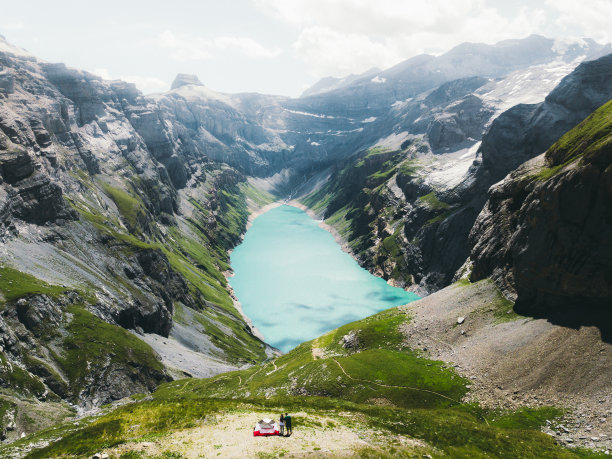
point(15, 284)
point(357, 201)
point(196, 250)
point(74, 348)
point(346, 200)
point(583, 143)
point(81, 336)
point(390, 386)
point(64, 358)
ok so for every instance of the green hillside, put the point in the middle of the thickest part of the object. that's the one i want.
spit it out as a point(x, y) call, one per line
point(360, 376)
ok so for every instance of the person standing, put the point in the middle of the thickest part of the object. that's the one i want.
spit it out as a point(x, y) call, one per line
point(288, 424)
point(281, 425)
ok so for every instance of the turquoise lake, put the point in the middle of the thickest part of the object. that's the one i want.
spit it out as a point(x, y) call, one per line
point(295, 283)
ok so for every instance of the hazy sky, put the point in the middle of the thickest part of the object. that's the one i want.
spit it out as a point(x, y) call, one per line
point(276, 46)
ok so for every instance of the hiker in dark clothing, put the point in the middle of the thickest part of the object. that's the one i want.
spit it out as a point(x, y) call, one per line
point(288, 424)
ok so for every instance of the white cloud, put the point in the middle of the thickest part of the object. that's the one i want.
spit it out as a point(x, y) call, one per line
point(146, 84)
point(16, 25)
point(336, 37)
point(386, 17)
point(593, 20)
point(333, 53)
point(103, 73)
point(185, 48)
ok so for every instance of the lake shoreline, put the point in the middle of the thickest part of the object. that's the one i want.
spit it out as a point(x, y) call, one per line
point(330, 229)
point(271, 351)
point(343, 284)
point(297, 204)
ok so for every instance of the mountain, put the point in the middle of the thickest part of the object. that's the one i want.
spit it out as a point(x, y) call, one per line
point(544, 234)
point(111, 220)
point(500, 374)
point(117, 212)
point(407, 213)
point(331, 83)
point(418, 74)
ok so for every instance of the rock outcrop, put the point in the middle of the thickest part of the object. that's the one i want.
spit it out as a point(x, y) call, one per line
point(410, 227)
point(545, 233)
point(184, 79)
point(526, 131)
point(111, 216)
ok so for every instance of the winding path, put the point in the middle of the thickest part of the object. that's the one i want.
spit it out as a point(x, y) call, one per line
point(401, 387)
point(392, 386)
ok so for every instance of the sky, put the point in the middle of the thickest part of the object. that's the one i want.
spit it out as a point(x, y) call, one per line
point(276, 46)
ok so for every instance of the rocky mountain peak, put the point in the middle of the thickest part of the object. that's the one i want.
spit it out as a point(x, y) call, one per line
point(184, 79)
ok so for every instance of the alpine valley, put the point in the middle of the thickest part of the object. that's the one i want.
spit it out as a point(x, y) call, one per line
point(479, 179)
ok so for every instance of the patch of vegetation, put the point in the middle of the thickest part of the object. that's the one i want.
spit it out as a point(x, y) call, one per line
point(374, 151)
point(390, 250)
point(450, 432)
point(591, 136)
point(19, 380)
point(382, 176)
point(354, 374)
point(92, 216)
point(340, 221)
point(408, 168)
point(337, 384)
point(130, 206)
point(584, 142)
point(232, 216)
point(503, 309)
point(15, 284)
point(464, 282)
point(5, 408)
point(439, 218)
point(255, 195)
point(547, 172)
point(230, 336)
point(432, 201)
point(132, 455)
point(318, 201)
point(525, 417)
point(200, 282)
point(91, 341)
point(50, 374)
point(391, 246)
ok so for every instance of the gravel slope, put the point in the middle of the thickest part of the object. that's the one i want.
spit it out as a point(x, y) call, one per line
point(517, 361)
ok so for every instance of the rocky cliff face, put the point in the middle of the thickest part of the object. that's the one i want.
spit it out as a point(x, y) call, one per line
point(525, 131)
point(544, 234)
point(407, 213)
point(377, 92)
point(114, 229)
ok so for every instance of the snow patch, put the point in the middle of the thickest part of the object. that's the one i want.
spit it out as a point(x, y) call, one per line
point(401, 103)
point(447, 170)
point(561, 45)
point(198, 93)
point(314, 115)
point(378, 79)
point(526, 86)
point(371, 119)
point(393, 141)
